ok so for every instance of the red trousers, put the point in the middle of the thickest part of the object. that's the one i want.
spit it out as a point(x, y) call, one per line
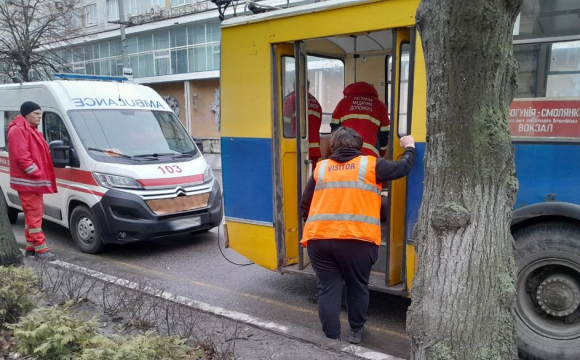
point(33, 209)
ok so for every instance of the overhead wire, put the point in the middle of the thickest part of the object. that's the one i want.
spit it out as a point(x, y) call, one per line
point(220, 247)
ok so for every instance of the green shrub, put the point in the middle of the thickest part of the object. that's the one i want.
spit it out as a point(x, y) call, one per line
point(16, 293)
point(53, 333)
point(142, 347)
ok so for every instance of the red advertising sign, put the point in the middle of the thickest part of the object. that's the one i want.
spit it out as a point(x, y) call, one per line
point(545, 118)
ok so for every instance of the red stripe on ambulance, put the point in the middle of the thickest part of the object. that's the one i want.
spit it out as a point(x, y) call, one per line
point(74, 175)
point(72, 187)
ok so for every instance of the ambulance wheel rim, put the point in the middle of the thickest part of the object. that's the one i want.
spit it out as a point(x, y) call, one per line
point(86, 230)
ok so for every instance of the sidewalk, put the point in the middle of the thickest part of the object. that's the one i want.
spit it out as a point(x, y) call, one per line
point(269, 340)
point(255, 338)
point(214, 160)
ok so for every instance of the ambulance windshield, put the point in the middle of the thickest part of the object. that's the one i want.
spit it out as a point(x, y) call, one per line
point(136, 134)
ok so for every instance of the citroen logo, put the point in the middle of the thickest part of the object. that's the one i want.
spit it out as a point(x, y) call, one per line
point(180, 192)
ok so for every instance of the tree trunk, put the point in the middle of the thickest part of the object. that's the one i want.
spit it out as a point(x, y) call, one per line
point(25, 72)
point(9, 252)
point(464, 290)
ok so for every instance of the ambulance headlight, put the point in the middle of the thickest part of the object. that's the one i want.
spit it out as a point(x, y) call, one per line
point(207, 174)
point(113, 181)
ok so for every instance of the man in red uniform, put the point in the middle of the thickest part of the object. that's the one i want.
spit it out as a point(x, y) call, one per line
point(361, 110)
point(314, 122)
point(31, 175)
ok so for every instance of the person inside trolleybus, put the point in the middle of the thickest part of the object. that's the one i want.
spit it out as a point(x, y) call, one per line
point(314, 122)
point(363, 111)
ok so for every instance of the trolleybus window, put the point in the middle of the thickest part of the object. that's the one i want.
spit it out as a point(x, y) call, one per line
point(288, 102)
point(547, 103)
point(403, 87)
point(547, 18)
point(326, 78)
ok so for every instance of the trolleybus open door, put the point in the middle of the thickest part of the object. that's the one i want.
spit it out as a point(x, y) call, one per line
point(291, 135)
point(401, 100)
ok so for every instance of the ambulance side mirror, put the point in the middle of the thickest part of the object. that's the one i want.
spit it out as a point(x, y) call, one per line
point(61, 154)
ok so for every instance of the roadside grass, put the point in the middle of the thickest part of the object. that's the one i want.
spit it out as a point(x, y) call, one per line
point(50, 312)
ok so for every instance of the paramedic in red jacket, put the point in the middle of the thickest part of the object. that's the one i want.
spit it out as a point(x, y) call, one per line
point(314, 122)
point(361, 110)
point(31, 175)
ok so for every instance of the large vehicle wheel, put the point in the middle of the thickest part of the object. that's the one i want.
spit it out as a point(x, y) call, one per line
point(12, 212)
point(84, 230)
point(548, 286)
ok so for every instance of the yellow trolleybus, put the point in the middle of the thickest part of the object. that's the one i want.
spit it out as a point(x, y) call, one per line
point(331, 44)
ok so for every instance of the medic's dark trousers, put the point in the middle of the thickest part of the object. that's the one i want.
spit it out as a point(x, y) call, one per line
point(335, 262)
point(33, 209)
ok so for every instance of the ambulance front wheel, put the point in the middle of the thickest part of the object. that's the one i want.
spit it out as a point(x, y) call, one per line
point(84, 230)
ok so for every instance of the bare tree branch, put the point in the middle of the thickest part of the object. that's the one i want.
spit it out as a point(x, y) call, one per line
point(31, 32)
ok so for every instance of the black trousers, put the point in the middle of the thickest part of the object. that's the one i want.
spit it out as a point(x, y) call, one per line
point(335, 262)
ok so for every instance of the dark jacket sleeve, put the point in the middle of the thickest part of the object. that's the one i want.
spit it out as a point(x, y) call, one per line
point(391, 170)
point(307, 198)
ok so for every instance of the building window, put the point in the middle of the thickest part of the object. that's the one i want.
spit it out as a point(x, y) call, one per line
point(91, 15)
point(162, 64)
point(104, 49)
point(196, 34)
point(180, 2)
point(179, 61)
point(132, 8)
point(112, 10)
point(178, 37)
point(145, 42)
point(197, 58)
point(146, 65)
point(157, 4)
point(157, 53)
point(161, 40)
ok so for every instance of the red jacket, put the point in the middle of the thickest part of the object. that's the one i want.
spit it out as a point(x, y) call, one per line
point(361, 110)
point(314, 122)
point(31, 169)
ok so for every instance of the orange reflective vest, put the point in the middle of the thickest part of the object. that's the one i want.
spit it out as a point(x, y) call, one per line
point(346, 203)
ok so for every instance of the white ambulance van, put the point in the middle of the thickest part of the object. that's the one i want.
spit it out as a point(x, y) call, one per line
point(126, 169)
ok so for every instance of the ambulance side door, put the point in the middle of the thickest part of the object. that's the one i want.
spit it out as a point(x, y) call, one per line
point(55, 205)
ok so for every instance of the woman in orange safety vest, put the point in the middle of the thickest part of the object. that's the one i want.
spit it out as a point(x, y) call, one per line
point(341, 206)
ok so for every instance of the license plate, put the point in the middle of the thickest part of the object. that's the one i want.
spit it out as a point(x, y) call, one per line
point(181, 224)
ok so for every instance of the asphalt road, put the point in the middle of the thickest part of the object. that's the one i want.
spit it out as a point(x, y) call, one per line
point(193, 266)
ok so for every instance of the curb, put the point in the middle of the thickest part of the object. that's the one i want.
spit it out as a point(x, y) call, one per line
point(290, 331)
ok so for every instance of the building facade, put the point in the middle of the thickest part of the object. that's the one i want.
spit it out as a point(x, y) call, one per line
point(173, 46)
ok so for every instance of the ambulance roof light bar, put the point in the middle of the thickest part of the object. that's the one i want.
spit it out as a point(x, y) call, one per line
point(89, 77)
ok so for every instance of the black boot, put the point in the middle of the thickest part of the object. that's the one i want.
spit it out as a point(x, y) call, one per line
point(356, 336)
point(46, 256)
